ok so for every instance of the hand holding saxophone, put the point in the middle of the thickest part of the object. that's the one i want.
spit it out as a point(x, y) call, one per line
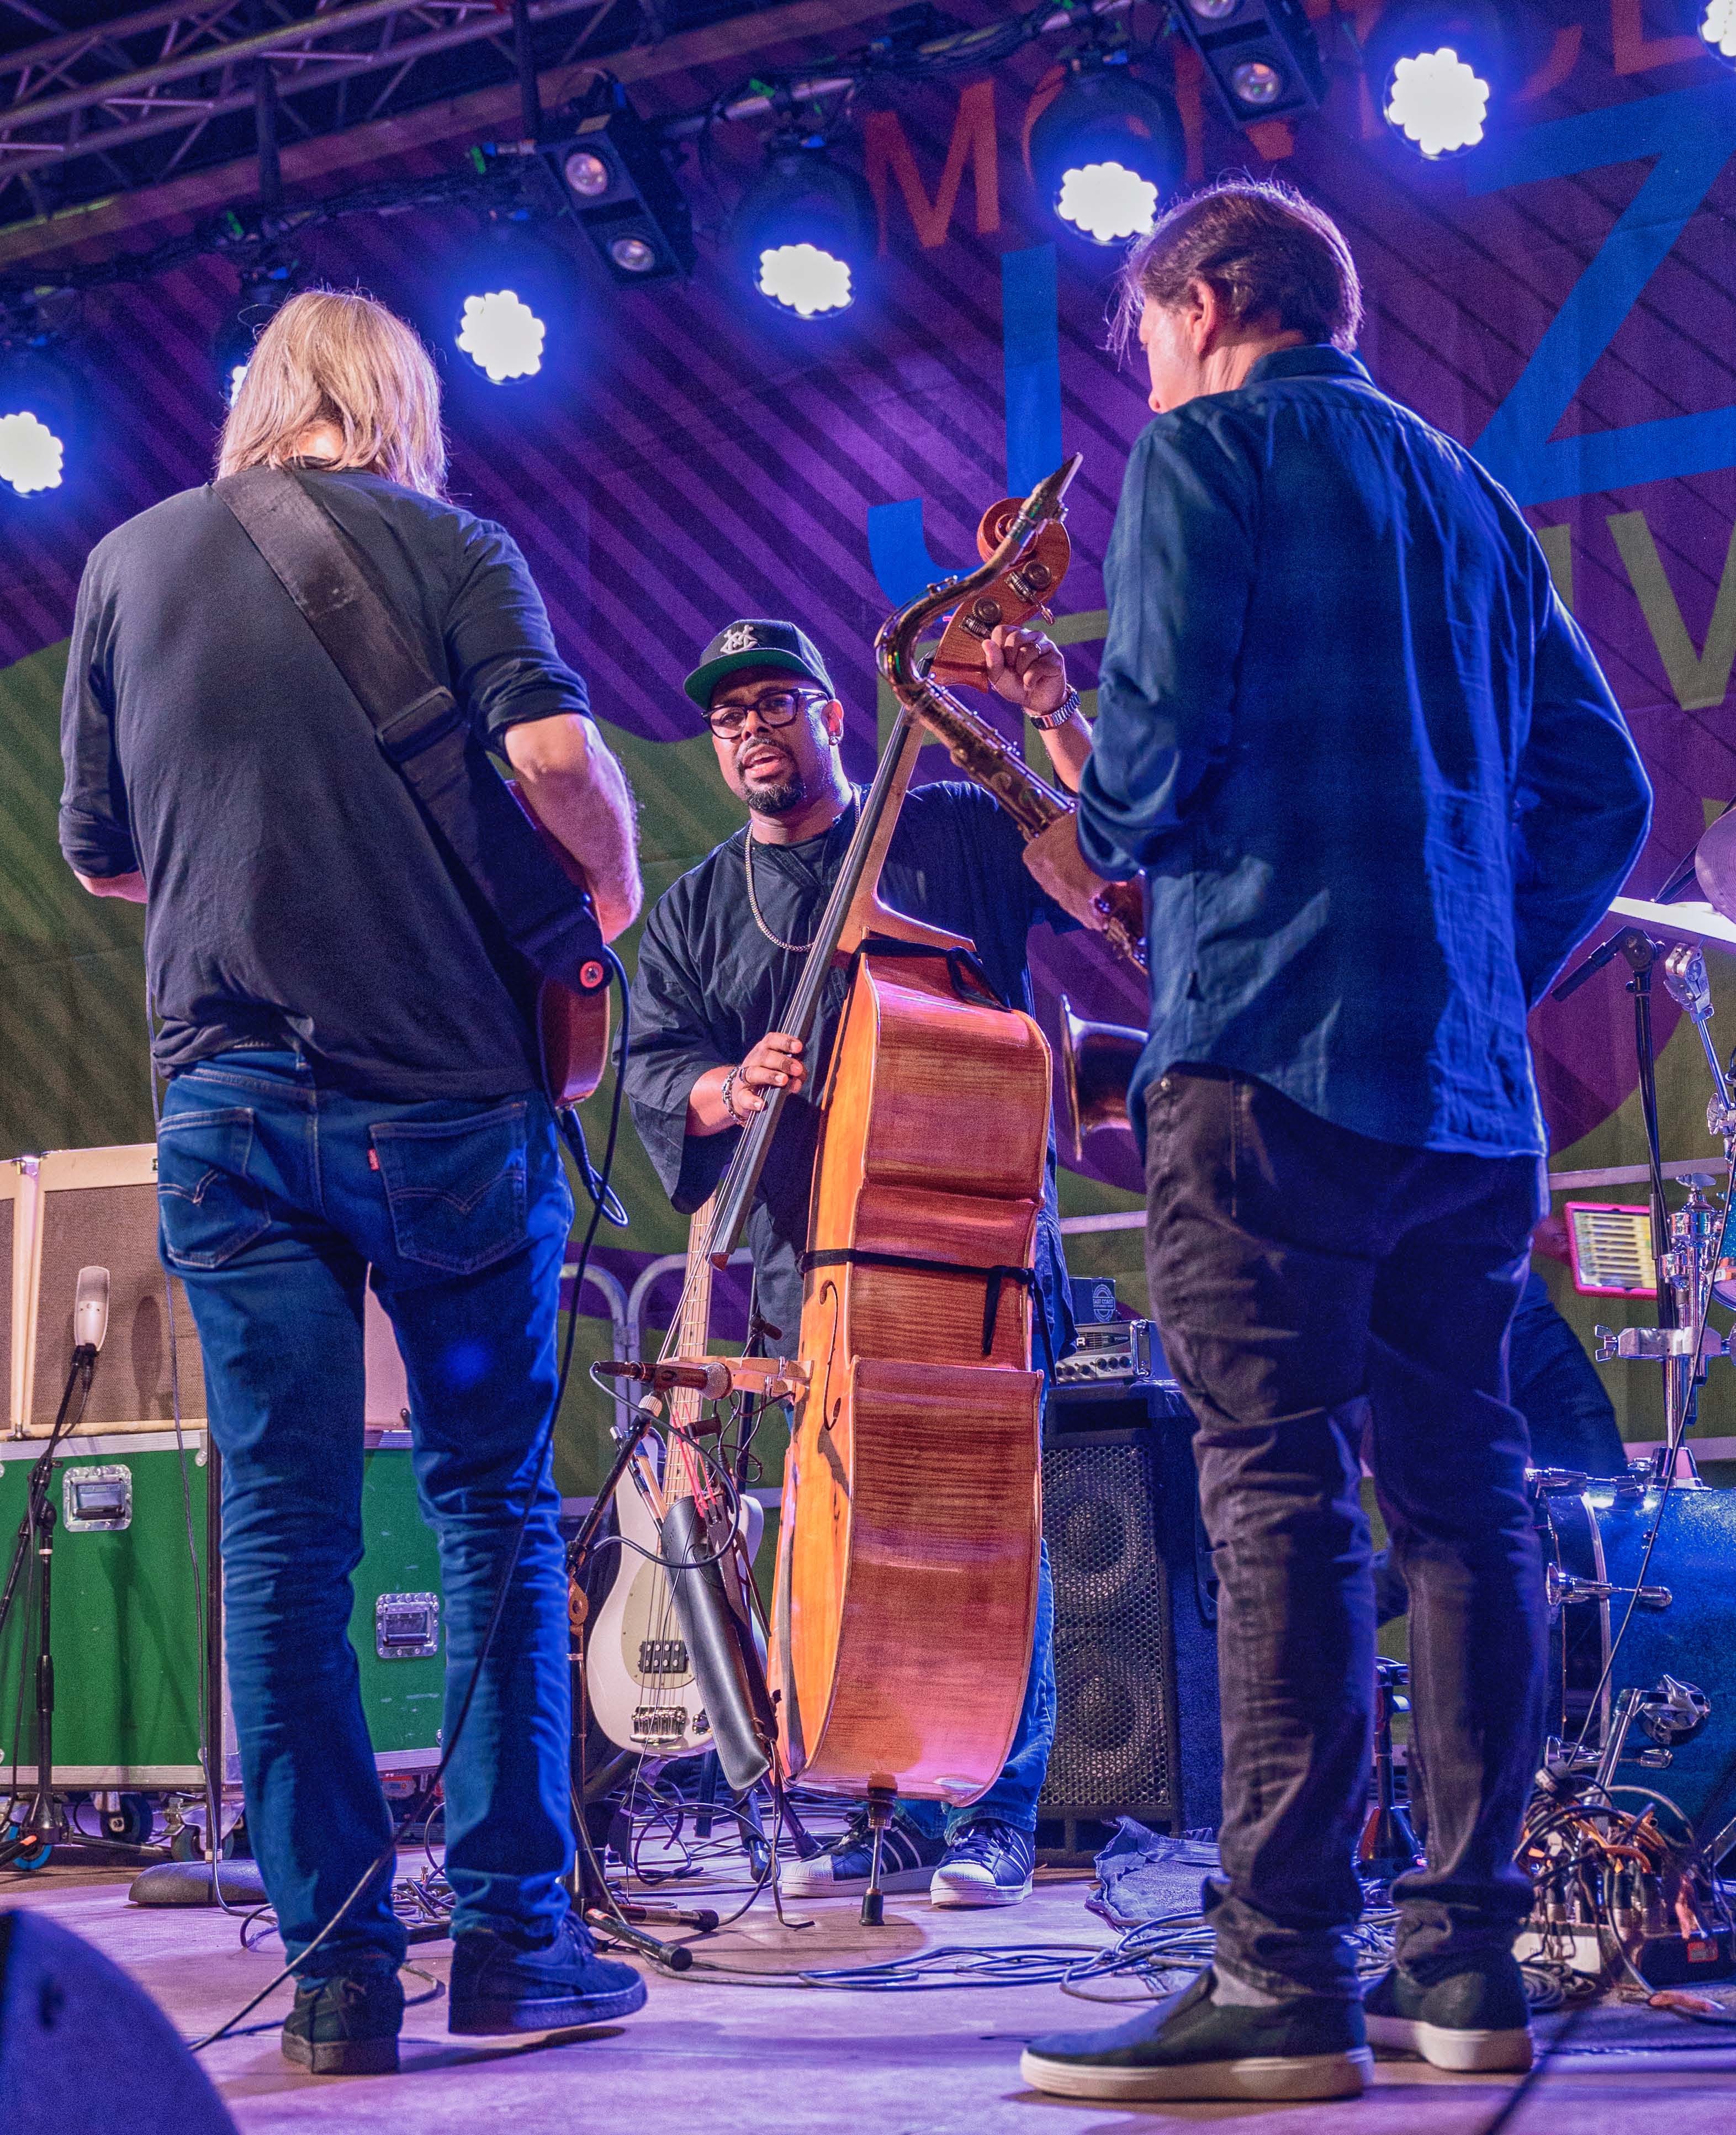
point(1053, 858)
point(1026, 668)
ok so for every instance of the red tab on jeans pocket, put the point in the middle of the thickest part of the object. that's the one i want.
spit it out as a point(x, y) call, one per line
point(373, 1159)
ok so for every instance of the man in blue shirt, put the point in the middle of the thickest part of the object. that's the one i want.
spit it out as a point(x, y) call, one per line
point(1378, 789)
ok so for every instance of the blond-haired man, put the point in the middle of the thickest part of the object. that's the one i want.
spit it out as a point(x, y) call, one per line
point(353, 1085)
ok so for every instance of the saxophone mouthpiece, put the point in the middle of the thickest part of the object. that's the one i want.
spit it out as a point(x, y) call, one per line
point(1045, 501)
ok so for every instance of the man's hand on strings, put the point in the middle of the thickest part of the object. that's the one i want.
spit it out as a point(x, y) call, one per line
point(775, 1063)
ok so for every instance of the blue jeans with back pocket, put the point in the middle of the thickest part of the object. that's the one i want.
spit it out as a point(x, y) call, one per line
point(277, 1197)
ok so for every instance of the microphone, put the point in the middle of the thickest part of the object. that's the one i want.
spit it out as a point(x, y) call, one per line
point(90, 1313)
point(712, 1379)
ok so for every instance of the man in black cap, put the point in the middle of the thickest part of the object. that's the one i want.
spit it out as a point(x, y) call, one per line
point(721, 956)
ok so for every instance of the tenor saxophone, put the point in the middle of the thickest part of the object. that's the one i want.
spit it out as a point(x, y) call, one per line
point(973, 744)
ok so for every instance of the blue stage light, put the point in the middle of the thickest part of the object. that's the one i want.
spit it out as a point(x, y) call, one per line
point(805, 230)
point(502, 336)
point(43, 414)
point(1107, 151)
point(1718, 28)
point(1437, 102)
point(512, 302)
point(31, 457)
point(265, 288)
point(1438, 74)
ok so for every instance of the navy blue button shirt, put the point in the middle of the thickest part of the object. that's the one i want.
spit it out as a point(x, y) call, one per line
point(1373, 777)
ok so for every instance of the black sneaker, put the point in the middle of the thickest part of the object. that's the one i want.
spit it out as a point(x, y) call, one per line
point(989, 1863)
point(1191, 2046)
point(1476, 2019)
point(497, 1985)
point(345, 2026)
point(908, 1859)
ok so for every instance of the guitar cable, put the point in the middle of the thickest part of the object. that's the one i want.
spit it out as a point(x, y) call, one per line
point(599, 1200)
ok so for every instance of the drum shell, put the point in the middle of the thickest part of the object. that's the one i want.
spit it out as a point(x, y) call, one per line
point(1600, 1534)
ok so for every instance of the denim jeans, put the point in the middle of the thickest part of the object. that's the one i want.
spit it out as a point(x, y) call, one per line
point(1012, 1798)
point(1319, 1291)
point(277, 1196)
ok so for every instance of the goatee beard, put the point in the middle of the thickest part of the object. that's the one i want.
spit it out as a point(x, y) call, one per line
point(778, 800)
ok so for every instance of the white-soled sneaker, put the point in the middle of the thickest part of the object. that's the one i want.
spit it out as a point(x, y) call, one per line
point(1477, 2019)
point(989, 1863)
point(907, 1859)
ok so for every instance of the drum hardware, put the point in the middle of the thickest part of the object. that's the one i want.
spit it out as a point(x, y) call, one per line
point(1673, 1711)
point(1388, 1848)
point(1563, 1589)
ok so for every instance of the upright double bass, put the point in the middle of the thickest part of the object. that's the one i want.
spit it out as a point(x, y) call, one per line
point(905, 1589)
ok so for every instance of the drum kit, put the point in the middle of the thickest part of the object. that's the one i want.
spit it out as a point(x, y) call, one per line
point(1642, 1678)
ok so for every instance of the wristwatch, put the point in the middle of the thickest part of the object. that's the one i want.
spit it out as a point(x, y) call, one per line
point(1065, 711)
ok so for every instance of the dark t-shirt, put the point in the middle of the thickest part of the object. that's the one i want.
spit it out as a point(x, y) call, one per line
point(294, 890)
point(710, 985)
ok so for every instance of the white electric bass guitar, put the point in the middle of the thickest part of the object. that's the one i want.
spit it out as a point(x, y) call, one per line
point(638, 1674)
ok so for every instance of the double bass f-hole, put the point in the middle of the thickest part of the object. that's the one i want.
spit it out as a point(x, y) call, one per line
point(830, 1409)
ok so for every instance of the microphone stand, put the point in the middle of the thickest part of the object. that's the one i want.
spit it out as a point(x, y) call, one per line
point(44, 1825)
point(36, 1833)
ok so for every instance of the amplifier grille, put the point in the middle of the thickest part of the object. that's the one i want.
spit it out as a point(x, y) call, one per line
point(1114, 1655)
point(112, 1227)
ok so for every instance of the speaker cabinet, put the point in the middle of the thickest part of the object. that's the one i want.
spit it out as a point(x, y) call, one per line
point(1137, 1725)
point(83, 2050)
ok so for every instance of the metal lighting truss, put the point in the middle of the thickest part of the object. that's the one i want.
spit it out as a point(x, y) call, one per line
point(175, 69)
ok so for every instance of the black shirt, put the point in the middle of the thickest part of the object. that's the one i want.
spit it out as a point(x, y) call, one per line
point(294, 890)
point(710, 986)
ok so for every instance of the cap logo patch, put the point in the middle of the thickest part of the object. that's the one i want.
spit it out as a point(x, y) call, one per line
point(739, 638)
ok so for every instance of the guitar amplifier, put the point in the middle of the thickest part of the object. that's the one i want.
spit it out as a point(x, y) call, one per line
point(98, 1208)
point(1117, 1352)
point(1137, 1723)
point(17, 1202)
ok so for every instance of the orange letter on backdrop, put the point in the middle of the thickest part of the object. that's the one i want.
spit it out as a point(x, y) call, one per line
point(973, 138)
point(1633, 52)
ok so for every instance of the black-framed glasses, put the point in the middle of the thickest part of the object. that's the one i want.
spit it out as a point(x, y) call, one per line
point(776, 708)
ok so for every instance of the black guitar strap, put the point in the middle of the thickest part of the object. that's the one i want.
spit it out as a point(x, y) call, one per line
point(481, 828)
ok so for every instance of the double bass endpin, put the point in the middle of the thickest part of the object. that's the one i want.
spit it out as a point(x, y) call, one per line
point(880, 1800)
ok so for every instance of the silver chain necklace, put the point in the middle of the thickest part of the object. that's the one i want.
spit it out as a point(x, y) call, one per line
point(777, 942)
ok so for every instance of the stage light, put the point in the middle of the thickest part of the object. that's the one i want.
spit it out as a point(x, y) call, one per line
point(501, 336)
point(31, 457)
point(1718, 27)
point(1107, 151)
point(1437, 101)
point(1438, 74)
point(622, 194)
point(509, 303)
point(804, 230)
point(40, 417)
point(1262, 55)
point(265, 288)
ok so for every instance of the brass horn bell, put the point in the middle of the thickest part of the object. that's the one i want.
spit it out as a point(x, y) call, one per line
point(1097, 1064)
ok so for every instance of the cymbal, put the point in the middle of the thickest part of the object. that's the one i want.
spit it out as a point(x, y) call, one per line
point(1714, 863)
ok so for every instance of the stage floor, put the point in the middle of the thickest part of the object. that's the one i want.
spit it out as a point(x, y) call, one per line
point(707, 2054)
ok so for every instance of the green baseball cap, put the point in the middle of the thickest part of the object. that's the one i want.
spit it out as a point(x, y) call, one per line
point(756, 641)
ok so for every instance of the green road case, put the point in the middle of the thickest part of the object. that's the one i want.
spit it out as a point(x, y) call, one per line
point(134, 1667)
